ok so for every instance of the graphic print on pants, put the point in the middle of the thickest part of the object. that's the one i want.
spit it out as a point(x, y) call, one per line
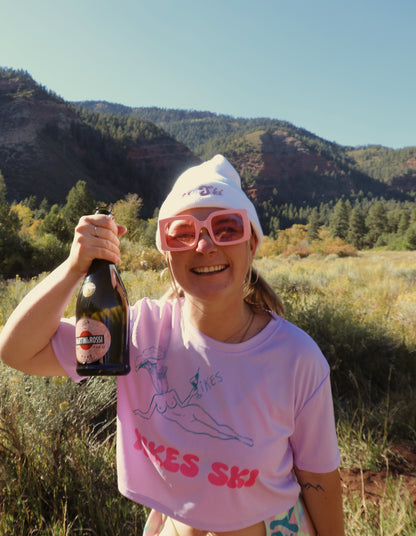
point(190, 416)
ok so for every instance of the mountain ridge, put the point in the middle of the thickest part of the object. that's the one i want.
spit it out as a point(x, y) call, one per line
point(48, 144)
point(206, 133)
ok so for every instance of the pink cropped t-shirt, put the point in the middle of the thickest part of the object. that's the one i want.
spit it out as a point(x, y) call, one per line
point(208, 432)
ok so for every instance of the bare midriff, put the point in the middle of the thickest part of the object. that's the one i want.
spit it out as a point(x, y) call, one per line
point(176, 528)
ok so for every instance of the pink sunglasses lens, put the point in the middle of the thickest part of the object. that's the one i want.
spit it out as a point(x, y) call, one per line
point(228, 228)
point(181, 233)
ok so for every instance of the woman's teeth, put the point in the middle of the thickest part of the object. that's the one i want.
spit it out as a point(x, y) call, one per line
point(210, 269)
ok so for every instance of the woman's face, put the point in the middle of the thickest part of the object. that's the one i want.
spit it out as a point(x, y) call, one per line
point(211, 272)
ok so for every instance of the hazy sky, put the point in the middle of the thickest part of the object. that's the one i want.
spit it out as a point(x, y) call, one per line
point(344, 70)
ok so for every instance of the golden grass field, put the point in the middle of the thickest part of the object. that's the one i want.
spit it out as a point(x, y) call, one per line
point(57, 474)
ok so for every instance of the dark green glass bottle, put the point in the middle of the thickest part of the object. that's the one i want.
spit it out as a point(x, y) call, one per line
point(102, 321)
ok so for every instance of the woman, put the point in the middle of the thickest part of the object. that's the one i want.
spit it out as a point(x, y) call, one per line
point(225, 422)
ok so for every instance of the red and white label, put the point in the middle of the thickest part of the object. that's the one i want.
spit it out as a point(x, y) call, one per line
point(92, 340)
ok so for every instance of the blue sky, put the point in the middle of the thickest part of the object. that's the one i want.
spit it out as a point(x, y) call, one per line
point(342, 70)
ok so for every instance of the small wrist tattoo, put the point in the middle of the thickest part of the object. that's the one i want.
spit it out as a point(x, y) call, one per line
point(309, 485)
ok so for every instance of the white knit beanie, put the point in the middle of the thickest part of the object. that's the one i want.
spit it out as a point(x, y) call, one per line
point(215, 184)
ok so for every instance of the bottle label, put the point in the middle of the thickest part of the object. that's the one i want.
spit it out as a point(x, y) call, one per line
point(93, 340)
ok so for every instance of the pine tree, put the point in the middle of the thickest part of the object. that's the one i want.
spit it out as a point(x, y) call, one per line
point(314, 225)
point(79, 202)
point(11, 259)
point(2, 188)
point(274, 227)
point(376, 222)
point(339, 222)
point(57, 224)
point(404, 222)
point(411, 237)
point(357, 228)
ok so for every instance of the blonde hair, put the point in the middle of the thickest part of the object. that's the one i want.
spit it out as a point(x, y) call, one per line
point(260, 295)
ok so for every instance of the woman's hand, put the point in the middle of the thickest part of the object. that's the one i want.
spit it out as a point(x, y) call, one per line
point(96, 237)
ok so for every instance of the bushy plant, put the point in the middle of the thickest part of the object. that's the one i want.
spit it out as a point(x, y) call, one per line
point(57, 470)
point(57, 458)
point(137, 257)
point(360, 313)
point(48, 253)
point(392, 514)
point(294, 241)
point(12, 292)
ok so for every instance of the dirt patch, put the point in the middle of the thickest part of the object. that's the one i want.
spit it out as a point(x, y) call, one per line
point(373, 485)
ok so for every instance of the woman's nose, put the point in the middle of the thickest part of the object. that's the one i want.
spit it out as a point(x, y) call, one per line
point(205, 242)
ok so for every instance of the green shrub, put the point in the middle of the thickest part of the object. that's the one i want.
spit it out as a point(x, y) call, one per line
point(57, 458)
point(57, 438)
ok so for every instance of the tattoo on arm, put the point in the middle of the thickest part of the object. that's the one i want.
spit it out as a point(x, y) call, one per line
point(309, 485)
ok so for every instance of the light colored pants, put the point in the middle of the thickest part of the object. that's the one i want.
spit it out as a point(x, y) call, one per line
point(293, 522)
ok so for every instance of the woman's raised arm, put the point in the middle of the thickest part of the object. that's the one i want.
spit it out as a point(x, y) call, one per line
point(25, 341)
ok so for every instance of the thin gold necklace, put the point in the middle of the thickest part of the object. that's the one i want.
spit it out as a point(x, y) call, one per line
point(246, 330)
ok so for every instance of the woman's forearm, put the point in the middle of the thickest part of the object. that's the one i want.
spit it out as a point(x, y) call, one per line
point(321, 493)
point(32, 324)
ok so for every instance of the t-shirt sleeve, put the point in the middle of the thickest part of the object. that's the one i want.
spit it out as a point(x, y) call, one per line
point(63, 344)
point(314, 440)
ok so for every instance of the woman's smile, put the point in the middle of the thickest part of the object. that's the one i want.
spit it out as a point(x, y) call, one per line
point(209, 269)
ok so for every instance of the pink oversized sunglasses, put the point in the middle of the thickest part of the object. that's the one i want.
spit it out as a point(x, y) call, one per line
point(225, 227)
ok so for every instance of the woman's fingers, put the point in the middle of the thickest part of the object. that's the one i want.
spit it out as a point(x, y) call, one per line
point(96, 236)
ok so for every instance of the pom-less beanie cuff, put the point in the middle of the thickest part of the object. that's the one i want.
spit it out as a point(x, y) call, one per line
point(215, 184)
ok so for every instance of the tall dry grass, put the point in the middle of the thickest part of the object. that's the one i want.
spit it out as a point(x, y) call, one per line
point(57, 443)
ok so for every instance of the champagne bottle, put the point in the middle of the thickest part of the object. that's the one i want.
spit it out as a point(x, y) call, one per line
point(102, 321)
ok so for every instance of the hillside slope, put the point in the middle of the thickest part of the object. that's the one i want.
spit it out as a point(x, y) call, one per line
point(46, 146)
point(276, 155)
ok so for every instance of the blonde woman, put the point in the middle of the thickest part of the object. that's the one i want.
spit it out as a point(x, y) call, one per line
point(225, 422)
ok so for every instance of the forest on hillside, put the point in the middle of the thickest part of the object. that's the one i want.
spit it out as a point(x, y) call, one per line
point(47, 145)
point(203, 130)
point(340, 200)
point(119, 149)
point(36, 236)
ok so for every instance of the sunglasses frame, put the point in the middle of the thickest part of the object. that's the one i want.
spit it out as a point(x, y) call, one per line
point(205, 224)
